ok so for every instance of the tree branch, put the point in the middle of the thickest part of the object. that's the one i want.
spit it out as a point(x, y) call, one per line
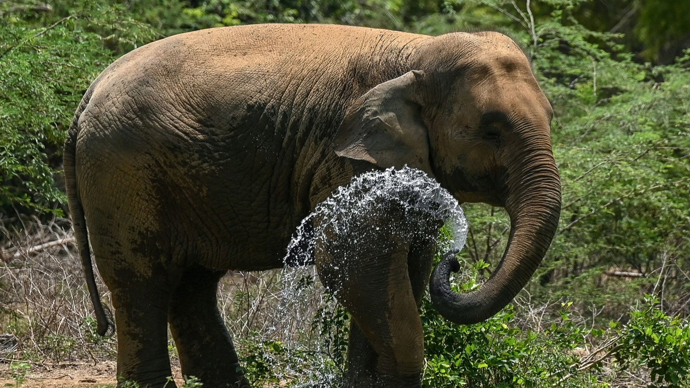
point(611, 202)
point(625, 18)
point(57, 23)
point(531, 25)
point(504, 12)
point(38, 248)
point(35, 8)
point(623, 274)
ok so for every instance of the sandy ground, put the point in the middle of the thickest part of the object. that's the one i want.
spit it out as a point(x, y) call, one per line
point(64, 375)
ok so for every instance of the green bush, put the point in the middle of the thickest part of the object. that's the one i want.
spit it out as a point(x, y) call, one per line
point(657, 341)
point(47, 61)
point(499, 353)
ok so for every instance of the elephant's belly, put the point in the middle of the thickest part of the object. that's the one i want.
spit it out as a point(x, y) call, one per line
point(255, 252)
point(242, 226)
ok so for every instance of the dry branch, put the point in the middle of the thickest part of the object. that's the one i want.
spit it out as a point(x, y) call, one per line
point(623, 274)
point(37, 248)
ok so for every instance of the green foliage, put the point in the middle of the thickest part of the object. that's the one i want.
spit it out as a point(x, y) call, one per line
point(19, 370)
point(377, 13)
point(506, 351)
point(332, 326)
point(661, 23)
point(659, 342)
point(269, 362)
point(127, 384)
point(58, 346)
point(189, 382)
point(261, 356)
point(320, 362)
point(621, 138)
point(46, 63)
point(497, 353)
point(192, 382)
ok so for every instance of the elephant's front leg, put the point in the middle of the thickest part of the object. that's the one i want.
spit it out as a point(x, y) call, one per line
point(373, 283)
point(362, 359)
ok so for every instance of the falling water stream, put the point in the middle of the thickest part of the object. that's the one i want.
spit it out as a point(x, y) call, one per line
point(420, 196)
point(302, 302)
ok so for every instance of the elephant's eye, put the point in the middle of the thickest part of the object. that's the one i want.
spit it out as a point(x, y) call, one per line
point(492, 125)
point(492, 134)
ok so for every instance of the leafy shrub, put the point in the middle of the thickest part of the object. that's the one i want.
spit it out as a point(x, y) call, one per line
point(47, 61)
point(501, 353)
point(320, 362)
point(497, 353)
point(654, 340)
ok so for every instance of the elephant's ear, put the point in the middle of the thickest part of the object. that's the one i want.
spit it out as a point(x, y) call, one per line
point(385, 127)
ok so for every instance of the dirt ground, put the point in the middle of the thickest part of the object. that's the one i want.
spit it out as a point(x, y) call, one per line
point(64, 375)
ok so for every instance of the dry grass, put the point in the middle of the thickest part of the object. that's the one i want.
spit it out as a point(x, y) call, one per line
point(46, 316)
point(43, 297)
point(275, 305)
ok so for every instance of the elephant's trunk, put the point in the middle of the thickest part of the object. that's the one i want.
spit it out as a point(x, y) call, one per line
point(534, 204)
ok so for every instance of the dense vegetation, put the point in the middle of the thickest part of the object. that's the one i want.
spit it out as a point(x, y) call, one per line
point(619, 81)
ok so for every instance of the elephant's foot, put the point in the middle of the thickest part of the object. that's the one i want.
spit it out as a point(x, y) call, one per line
point(155, 379)
point(382, 381)
point(414, 381)
point(361, 360)
point(226, 376)
point(361, 381)
point(203, 342)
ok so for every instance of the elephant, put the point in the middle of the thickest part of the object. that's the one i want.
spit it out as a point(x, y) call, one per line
point(201, 153)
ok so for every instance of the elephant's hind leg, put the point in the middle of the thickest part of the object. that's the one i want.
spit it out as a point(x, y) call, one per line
point(203, 342)
point(142, 351)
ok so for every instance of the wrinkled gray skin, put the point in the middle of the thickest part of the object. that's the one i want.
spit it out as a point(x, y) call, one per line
point(202, 152)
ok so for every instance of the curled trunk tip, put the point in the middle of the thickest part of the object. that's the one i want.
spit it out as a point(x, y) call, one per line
point(440, 290)
point(440, 279)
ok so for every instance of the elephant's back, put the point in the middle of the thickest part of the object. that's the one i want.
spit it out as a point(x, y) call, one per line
point(259, 43)
point(254, 62)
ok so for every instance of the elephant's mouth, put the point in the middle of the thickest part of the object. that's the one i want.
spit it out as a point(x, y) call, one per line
point(490, 188)
point(484, 197)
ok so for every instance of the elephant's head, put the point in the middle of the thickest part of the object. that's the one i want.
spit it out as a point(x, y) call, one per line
point(472, 115)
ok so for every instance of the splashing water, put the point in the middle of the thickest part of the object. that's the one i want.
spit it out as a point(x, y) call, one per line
point(421, 198)
point(304, 312)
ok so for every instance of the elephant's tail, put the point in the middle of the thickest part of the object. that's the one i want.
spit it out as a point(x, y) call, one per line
point(78, 219)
